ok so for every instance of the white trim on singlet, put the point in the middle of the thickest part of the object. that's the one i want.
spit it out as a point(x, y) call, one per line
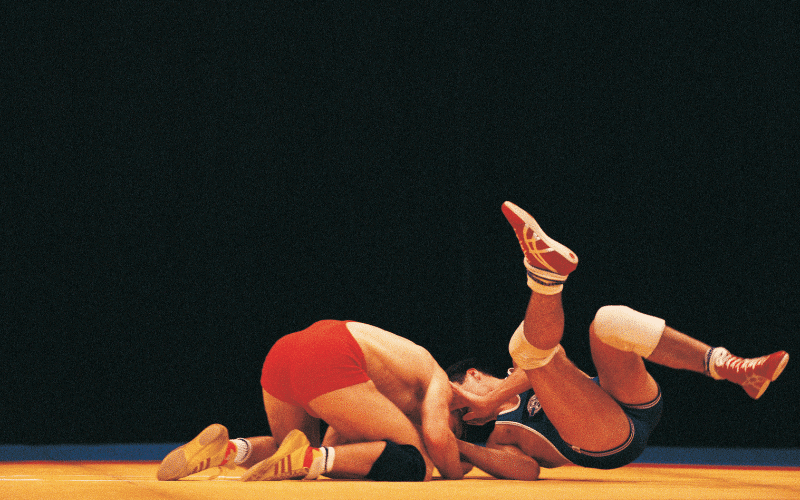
point(508, 422)
point(519, 402)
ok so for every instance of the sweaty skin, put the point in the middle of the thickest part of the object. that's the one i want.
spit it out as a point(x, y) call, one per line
point(400, 369)
point(410, 377)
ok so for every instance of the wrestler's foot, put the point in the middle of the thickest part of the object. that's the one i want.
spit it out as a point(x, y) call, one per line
point(754, 375)
point(548, 262)
point(294, 459)
point(211, 448)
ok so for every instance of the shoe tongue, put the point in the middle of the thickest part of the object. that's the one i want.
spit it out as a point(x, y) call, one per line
point(230, 453)
point(313, 463)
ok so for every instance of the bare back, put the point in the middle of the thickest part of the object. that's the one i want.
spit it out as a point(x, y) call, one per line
point(400, 369)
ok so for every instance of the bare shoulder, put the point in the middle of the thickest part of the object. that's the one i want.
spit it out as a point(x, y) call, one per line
point(382, 342)
point(394, 363)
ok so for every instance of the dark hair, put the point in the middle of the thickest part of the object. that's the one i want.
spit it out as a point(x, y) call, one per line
point(457, 372)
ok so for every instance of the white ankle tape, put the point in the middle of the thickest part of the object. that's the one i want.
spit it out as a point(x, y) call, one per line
point(628, 330)
point(527, 356)
point(542, 281)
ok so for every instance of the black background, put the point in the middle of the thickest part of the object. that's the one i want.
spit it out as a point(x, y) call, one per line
point(184, 184)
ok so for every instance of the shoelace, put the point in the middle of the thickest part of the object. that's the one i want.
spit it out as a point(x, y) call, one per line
point(741, 364)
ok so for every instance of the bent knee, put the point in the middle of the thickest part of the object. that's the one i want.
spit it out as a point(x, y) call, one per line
point(605, 320)
point(626, 329)
point(399, 462)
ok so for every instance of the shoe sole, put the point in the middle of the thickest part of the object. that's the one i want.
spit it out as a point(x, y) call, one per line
point(176, 465)
point(529, 221)
point(262, 471)
point(780, 367)
point(775, 374)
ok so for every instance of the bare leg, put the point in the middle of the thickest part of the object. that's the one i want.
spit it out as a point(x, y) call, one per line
point(544, 321)
point(283, 417)
point(619, 338)
point(262, 447)
point(352, 411)
point(677, 350)
point(352, 462)
point(629, 334)
point(622, 374)
point(584, 414)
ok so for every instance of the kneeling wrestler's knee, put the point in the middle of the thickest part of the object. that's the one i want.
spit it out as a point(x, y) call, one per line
point(398, 462)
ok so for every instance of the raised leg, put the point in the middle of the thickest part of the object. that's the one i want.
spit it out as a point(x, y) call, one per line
point(584, 414)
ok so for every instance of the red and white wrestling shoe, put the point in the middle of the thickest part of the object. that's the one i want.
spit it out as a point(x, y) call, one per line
point(211, 448)
point(754, 375)
point(294, 459)
point(548, 262)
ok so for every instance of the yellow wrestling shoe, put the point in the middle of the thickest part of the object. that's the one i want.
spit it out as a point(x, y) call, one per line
point(211, 448)
point(294, 459)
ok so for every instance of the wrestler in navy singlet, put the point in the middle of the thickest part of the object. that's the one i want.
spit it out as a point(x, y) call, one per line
point(643, 419)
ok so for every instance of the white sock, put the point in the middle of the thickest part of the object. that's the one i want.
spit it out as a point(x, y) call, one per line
point(328, 454)
point(715, 356)
point(243, 449)
point(542, 281)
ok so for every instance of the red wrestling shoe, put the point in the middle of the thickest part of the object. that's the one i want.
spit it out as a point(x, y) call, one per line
point(754, 375)
point(548, 262)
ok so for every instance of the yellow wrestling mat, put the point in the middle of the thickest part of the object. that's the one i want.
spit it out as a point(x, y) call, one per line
point(136, 480)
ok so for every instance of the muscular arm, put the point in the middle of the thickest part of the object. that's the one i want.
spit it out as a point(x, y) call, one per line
point(503, 461)
point(512, 385)
point(484, 408)
point(439, 440)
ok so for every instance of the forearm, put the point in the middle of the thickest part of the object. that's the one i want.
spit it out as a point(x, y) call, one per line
point(500, 463)
point(512, 385)
point(445, 454)
point(437, 434)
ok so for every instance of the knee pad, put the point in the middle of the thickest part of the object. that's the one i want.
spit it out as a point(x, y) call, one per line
point(398, 462)
point(628, 330)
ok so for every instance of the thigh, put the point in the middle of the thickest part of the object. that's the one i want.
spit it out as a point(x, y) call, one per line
point(622, 374)
point(360, 413)
point(283, 417)
point(582, 412)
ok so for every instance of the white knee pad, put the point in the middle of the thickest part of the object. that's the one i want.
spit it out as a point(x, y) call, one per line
point(527, 356)
point(627, 330)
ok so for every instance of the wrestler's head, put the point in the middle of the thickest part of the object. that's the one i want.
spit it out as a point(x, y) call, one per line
point(471, 376)
point(471, 381)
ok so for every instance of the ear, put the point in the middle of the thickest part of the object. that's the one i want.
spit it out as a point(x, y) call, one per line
point(474, 373)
